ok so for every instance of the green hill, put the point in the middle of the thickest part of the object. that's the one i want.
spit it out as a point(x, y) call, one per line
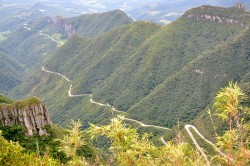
point(194, 86)
point(91, 25)
point(155, 74)
point(35, 41)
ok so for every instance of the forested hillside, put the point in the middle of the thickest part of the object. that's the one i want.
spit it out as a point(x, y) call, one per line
point(128, 147)
point(114, 91)
point(155, 74)
point(10, 72)
point(29, 47)
point(35, 40)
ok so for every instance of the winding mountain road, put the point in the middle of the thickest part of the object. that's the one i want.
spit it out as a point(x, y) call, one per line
point(187, 126)
point(145, 125)
point(56, 73)
point(163, 141)
point(42, 34)
point(101, 104)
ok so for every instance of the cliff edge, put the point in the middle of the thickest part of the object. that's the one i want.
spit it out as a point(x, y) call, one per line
point(31, 113)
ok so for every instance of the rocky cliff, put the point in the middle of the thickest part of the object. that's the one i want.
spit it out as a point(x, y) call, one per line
point(228, 16)
point(66, 26)
point(30, 113)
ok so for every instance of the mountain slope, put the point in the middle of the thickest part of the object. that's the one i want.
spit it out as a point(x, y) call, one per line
point(79, 54)
point(87, 25)
point(163, 55)
point(154, 73)
point(10, 72)
point(91, 25)
point(33, 42)
point(194, 87)
point(29, 47)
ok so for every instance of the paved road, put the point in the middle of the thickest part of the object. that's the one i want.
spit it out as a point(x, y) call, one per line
point(187, 126)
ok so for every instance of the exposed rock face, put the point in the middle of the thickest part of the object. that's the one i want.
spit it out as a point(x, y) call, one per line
point(33, 117)
point(214, 14)
point(239, 5)
point(67, 27)
point(217, 19)
point(61, 24)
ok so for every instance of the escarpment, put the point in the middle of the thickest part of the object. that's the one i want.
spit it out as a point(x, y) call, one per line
point(30, 113)
point(217, 19)
point(228, 16)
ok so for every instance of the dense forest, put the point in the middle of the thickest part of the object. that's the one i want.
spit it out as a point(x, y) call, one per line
point(151, 72)
point(107, 89)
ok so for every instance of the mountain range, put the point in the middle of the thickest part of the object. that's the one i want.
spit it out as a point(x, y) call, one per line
point(159, 11)
point(108, 67)
point(156, 74)
point(33, 41)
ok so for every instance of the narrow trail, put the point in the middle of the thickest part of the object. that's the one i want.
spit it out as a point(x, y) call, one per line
point(196, 143)
point(56, 73)
point(42, 34)
point(113, 109)
point(163, 141)
point(145, 125)
point(187, 126)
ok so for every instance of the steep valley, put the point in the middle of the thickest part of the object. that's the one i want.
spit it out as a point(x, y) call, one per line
point(147, 70)
point(36, 40)
point(83, 90)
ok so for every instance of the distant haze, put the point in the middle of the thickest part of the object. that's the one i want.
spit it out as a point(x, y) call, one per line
point(160, 11)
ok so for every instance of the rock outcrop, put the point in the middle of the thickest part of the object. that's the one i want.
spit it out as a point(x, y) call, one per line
point(227, 16)
point(221, 20)
point(66, 26)
point(30, 113)
point(239, 5)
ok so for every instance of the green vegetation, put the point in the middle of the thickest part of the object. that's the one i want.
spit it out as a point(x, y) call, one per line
point(30, 44)
point(155, 74)
point(92, 25)
point(19, 103)
point(234, 142)
point(58, 38)
point(28, 47)
point(4, 99)
point(10, 72)
point(53, 144)
point(12, 153)
point(45, 145)
point(72, 142)
point(130, 148)
point(4, 35)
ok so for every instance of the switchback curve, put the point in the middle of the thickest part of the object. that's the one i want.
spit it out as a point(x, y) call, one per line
point(187, 126)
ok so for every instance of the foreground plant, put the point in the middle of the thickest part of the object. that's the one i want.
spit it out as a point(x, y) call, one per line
point(235, 141)
point(11, 153)
point(129, 148)
point(73, 141)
